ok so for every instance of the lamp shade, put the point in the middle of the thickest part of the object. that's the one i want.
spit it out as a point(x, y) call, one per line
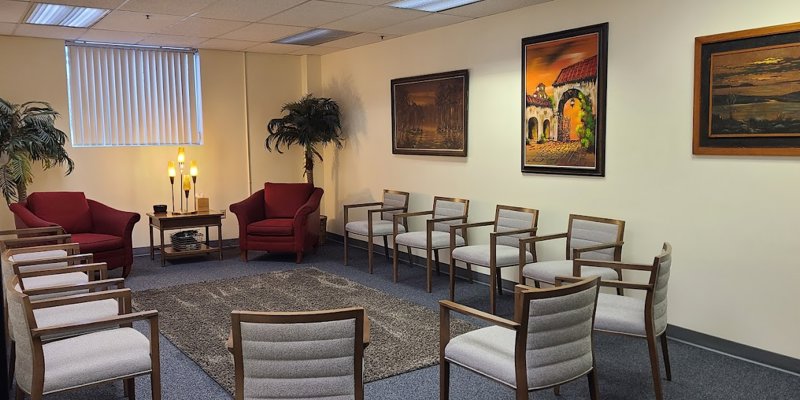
point(193, 168)
point(171, 169)
point(187, 182)
point(181, 155)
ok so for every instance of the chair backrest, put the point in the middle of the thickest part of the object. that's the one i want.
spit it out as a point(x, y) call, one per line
point(659, 278)
point(508, 218)
point(557, 325)
point(444, 207)
point(282, 200)
point(587, 231)
point(68, 209)
point(19, 312)
point(391, 199)
point(301, 355)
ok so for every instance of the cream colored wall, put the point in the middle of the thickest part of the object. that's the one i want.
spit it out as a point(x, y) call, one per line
point(134, 178)
point(733, 221)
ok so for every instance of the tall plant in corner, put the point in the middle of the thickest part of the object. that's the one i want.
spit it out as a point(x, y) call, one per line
point(28, 135)
point(309, 122)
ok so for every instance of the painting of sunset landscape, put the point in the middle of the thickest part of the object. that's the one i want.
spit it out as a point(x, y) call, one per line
point(755, 92)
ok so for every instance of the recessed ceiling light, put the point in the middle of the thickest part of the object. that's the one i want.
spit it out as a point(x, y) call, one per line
point(60, 15)
point(314, 37)
point(431, 5)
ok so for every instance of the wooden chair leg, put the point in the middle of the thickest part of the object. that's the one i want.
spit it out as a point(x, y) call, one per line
point(535, 283)
point(243, 255)
point(521, 394)
point(386, 247)
point(394, 262)
point(452, 278)
point(436, 257)
point(410, 257)
point(557, 390)
point(492, 283)
point(155, 385)
point(593, 392)
point(18, 393)
point(299, 259)
point(126, 270)
point(469, 273)
point(444, 380)
point(499, 282)
point(12, 363)
point(346, 238)
point(369, 254)
point(129, 386)
point(665, 354)
point(429, 268)
point(620, 292)
point(654, 367)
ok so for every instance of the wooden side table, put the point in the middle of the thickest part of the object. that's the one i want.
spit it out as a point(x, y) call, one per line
point(170, 221)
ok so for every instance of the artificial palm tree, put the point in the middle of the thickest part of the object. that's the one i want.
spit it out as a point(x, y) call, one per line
point(309, 122)
point(27, 135)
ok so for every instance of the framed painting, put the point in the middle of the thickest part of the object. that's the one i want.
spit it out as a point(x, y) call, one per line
point(564, 101)
point(429, 114)
point(747, 92)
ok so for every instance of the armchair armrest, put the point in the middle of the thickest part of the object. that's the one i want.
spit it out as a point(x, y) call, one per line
point(250, 209)
point(469, 225)
point(576, 252)
point(514, 232)
point(89, 269)
point(535, 239)
point(111, 221)
point(70, 248)
point(23, 232)
point(311, 205)
point(119, 283)
point(70, 260)
point(347, 208)
point(445, 306)
point(615, 284)
point(151, 316)
point(36, 240)
point(24, 218)
point(577, 263)
point(122, 295)
point(396, 218)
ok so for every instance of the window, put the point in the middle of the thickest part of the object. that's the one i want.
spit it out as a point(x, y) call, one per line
point(133, 96)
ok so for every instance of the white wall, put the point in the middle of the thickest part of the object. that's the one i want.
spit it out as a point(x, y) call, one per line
point(733, 221)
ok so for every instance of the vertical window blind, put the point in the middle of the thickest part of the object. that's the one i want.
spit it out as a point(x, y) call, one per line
point(131, 96)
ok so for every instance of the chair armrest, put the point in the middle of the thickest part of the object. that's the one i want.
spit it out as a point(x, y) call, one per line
point(615, 284)
point(469, 225)
point(36, 240)
point(578, 262)
point(111, 322)
point(514, 232)
point(358, 205)
point(385, 209)
point(70, 248)
point(576, 252)
point(26, 218)
point(250, 209)
point(54, 230)
point(445, 306)
point(119, 283)
point(70, 260)
point(89, 269)
point(111, 221)
point(412, 214)
point(535, 239)
point(123, 295)
point(311, 205)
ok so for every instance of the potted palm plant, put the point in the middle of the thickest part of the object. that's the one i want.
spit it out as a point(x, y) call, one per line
point(309, 122)
point(28, 135)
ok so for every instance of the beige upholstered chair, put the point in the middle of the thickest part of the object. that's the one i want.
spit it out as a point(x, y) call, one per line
point(299, 355)
point(83, 359)
point(509, 225)
point(587, 237)
point(29, 237)
point(41, 267)
point(631, 316)
point(394, 202)
point(548, 343)
point(446, 211)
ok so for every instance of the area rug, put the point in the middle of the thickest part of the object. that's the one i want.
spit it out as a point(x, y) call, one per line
point(196, 317)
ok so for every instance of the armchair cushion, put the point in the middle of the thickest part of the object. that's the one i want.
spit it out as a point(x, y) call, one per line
point(68, 209)
point(620, 314)
point(418, 239)
point(379, 227)
point(69, 278)
point(97, 242)
point(75, 313)
point(488, 351)
point(282, 200)
point(479, 255)
point(271, 227)
point(546, 271)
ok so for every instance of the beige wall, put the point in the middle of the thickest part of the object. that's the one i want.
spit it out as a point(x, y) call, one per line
point(134, 178)
point(733, 221)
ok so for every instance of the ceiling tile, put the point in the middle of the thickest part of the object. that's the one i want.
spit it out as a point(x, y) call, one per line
point(47, 31)
point(13, 11)
point(315, 13)
point(374, 19)
point(7, 28)
point(425, 23)
point(247, 10)
point(358, 40)
point(183, 7)
point(263, 32)
point(315, 50)
point(100, 35)
point(172, 40)
point(225, 44)
point(486, 8)
point(107, 4)
point(275, 48)
point(368, 2)
point(129, 21)
point(203, 27)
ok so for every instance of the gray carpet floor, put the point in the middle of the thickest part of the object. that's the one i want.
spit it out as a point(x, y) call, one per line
point(622, 363)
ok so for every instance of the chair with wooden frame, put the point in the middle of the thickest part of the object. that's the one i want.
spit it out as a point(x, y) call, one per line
point(645, 318)
point(114, 350)
point(29, 237)
point(299, 355)
point(394, 202)
point(588, 238)
point(548, 343)
point(446, 211)
point(510, 224)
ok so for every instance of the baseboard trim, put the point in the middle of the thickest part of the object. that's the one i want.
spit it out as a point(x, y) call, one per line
point(722, 346)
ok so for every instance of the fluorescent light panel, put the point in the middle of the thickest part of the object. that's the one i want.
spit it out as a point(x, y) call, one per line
point(314, 37)
point(60, 15)
point(431, 5)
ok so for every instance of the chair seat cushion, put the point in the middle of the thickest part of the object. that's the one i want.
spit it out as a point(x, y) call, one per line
point(95, 357)
point(479, 255)
point(546, 271)
point(487, 351)
point(70, 278)
point(271, 227)
point(620, 314)
point(439, 240)
point(36, 256)
point(379, 228)
point(97, 242)
point(75, 313)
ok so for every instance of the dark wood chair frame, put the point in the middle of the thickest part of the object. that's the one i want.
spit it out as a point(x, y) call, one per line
point(125, 319)
point(576, 253)
point(522, 298)
point(649, 288)
point(429, 224)
point(495, 278)
point(27, 237)
point(361, 338)
point(370, 217)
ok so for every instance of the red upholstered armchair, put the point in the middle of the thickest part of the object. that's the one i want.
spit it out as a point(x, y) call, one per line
point(281, 218)
point(96, 227)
